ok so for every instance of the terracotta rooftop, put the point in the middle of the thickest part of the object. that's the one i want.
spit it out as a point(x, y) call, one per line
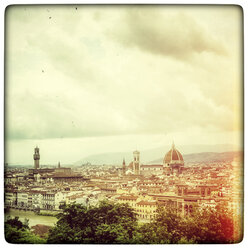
point(127, 197)
point(147, 203)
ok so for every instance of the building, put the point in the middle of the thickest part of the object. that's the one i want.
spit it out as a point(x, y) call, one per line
point(131, 200)
point(10, 198)
point(134, 167)
point(136, 162)
point(22, 199)
point(173, 162)
point(146, 210)
point(151, 169)
point(36, 158)
point(123, 167)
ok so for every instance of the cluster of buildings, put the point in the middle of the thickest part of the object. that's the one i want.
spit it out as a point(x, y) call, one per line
point(173, 163)
point(144, 187)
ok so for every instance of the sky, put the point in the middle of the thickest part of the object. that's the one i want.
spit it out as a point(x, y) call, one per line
point(83, 80)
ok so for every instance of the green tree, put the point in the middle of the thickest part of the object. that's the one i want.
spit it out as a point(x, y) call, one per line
point(17, 232)
point(205, 226)
point(211, 225)
point(15, 222)
point(167, 228)
point(105, 223)
point(110, 223)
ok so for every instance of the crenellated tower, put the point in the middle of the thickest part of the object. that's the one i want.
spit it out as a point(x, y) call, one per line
point(36, 158)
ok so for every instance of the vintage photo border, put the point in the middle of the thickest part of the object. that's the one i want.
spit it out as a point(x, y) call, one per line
point(242, 3)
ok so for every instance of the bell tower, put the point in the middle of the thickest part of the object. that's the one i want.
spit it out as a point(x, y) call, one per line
point(123, 167)
point(136, 162)
point(36, 158)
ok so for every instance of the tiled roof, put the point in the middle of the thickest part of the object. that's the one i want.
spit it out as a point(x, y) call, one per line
point(127, 197)
point(153, 203)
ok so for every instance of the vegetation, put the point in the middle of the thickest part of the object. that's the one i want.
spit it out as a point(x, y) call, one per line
point(110, 223)
point(206, 226)
point(17, 232)
point(107, 223)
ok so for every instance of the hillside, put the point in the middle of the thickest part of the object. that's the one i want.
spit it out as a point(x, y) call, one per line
point(206, 157)
point(190, 153)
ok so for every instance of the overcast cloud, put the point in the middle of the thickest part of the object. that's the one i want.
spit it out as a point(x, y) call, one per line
point(113, 71)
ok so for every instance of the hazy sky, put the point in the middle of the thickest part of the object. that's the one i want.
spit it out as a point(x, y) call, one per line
point(92, 79)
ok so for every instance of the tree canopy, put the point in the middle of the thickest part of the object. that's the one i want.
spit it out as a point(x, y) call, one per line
point(203, 226)
point(106, 223)
point(114, 223)
point(17, 232)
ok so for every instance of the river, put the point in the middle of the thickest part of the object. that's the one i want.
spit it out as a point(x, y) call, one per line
point(34, 219)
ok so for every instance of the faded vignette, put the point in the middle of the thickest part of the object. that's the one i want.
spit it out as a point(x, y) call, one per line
point(123, 124)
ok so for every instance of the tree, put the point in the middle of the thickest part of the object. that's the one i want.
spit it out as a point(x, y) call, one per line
point(15, 222)
point(167, 228)
point(110, 223)
point(204, 226)
point(105, 223)
point(17, 232)
point(212, 225)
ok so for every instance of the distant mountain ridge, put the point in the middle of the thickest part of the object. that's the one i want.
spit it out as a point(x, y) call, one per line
point(206, 157)
point(190, 153)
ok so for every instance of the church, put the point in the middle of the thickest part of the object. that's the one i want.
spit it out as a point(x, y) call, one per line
point(173, 164)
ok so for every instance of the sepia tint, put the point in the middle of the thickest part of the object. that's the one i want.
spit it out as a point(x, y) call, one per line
point(123, 124)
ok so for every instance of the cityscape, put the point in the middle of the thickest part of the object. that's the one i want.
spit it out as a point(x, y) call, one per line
point(172, 184)
point(123, 124)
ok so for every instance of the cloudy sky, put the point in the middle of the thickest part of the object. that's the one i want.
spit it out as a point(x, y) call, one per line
point(82, 79)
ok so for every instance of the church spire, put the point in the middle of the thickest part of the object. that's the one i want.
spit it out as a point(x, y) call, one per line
point(123, 167)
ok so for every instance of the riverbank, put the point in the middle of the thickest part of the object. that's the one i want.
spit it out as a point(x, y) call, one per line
point(48, 213)
point(33, 218)
point(41, 212)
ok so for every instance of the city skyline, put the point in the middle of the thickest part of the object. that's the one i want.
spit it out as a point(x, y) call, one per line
point(83, 80)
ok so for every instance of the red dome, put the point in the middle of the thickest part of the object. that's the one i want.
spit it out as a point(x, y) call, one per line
point(173, 156)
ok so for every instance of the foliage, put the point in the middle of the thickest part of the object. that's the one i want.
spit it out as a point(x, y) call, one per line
point(167, 228)
point(204, 226)
point(105, 223)
point(109, 223)
point(212, 226)
point(17, 232)
point(15, 222)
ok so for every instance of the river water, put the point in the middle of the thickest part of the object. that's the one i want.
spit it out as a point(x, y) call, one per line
point(33, 218)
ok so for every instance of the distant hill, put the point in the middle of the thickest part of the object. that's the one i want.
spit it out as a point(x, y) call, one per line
point(190, 153)
point(206, 157)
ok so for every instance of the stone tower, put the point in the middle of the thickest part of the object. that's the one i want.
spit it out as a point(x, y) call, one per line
point(136, 162)
point(36, 158)
point(123, 167)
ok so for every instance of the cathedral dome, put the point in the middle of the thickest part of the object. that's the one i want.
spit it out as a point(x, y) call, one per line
point(173, 156)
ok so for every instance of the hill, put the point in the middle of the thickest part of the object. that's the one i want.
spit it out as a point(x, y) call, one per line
point(190, 153)
point(205, 157)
